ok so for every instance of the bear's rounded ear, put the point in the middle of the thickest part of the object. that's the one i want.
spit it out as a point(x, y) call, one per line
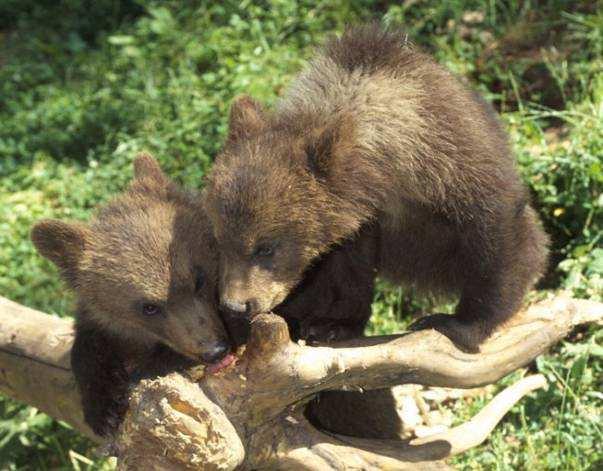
point(145, 166)
point(62, 243)
point(326, 144)
point(246, 118)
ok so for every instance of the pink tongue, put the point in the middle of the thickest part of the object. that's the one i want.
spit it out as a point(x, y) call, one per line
point(223, 363)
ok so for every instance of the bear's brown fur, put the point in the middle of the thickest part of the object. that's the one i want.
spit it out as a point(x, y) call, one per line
point(145, 274)
point(376, 132)
point(333, 303)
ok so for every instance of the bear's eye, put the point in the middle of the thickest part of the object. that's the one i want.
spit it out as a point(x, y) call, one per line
point(199, 280)
point(263, 250)
point(151, 310)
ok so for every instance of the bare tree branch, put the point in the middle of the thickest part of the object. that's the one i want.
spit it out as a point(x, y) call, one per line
point(34, 363)
point(250, 415)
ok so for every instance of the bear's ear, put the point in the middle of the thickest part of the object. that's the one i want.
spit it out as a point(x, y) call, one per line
point(328, 143)
point(246, 118)
point(62, 243)
point(146, 167)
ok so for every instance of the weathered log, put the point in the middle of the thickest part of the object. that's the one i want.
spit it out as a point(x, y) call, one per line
point(34, 363)
point(250, 415)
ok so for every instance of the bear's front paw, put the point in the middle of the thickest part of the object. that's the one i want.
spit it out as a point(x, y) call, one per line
point(467, 336)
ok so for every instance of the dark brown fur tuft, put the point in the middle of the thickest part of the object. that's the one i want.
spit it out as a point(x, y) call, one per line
point(370, 48)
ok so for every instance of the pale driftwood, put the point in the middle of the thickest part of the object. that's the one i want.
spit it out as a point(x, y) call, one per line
point(249, 415)
point(34, 362)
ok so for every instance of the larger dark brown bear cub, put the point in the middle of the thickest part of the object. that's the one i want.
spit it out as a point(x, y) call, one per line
point(375, 131)
point(145, 274)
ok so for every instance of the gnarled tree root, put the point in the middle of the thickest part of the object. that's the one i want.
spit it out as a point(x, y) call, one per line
point(249, 416)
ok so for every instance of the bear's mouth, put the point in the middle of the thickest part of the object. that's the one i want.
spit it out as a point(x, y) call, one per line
point(221, 364)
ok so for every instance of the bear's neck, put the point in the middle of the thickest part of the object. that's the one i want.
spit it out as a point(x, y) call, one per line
point(343, 213)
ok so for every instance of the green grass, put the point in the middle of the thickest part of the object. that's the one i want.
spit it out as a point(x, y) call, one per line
point(84, 87)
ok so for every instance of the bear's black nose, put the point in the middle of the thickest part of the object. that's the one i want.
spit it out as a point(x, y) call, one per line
point(215, 352)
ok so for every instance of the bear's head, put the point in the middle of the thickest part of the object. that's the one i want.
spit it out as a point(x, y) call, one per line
point(272, 204)
point(145, 268)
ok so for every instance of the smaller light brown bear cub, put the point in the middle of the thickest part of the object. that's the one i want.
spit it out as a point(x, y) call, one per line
point(145, 274)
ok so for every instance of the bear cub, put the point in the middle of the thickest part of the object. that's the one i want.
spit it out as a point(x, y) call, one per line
point(376, 132)
point(145, 274)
